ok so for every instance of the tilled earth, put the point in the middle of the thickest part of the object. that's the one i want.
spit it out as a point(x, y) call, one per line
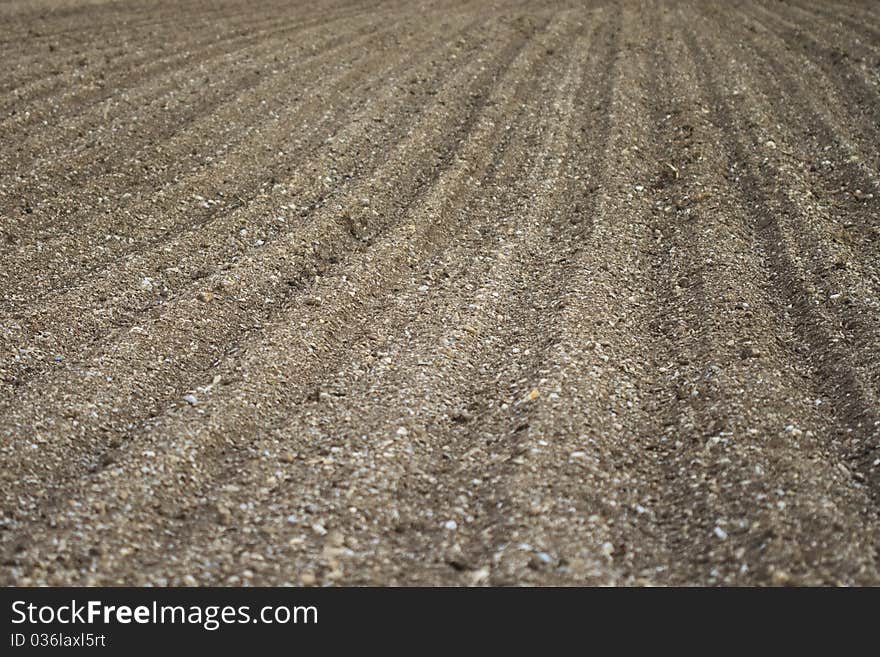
point(440, 292)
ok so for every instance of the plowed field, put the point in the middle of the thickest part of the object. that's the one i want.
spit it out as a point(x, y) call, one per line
point(440, 292)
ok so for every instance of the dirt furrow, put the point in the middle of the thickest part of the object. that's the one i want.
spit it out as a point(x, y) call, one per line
point(270, 212)
point(212, 446)
point(793, 227)
point(831, 18)
point(330, 232)
point(41, 75)
point(829, 255)
point(404, 348)
point(439, 293)
point(723, 402)
point(859, 86)
point(205, 175)
point(847, 426)
point(169, 104)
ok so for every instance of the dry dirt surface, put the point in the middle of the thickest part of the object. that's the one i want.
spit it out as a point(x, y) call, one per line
point(459, 293)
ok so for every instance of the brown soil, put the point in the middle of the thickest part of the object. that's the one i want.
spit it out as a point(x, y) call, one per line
point(440, 292)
